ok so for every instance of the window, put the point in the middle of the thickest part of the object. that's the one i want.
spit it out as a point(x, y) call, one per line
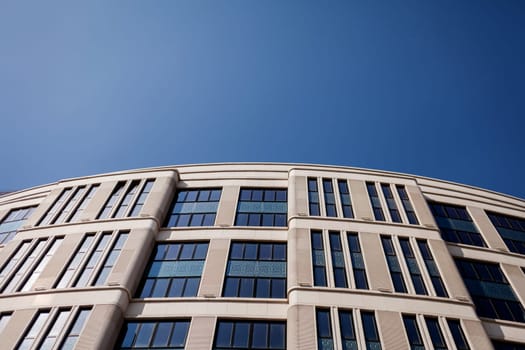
point(413, 334)
point(413, 268)
point(12, 222)
point(490, 291)
point(194, 208)
point(256, 270)
point(338, 260)
point(456, 225)
point(30, 256)
point(175, 270)
point(511, 230)
point(93, 260)
point(507, 345)
point(436, 336)
point(391, 203)
point(374, 200)
point(4, 319)
point(432, 268)
point(409, 209)
point(262, 207)
point(69, 205)
point(370, 330)
point(358, 263)
point(346, 323)
point(52, 327)
point(329, 198)
point(126, 195)
point(154, 334)
point(318, 260)
point(346, 201)
point(250, 335)
point(325, 340)
point(313, 197)
point(457, 333)
point(393, 265)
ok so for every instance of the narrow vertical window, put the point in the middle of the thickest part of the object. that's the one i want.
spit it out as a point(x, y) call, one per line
point(413, 334)
point(52, 334)
point(325, 340)
point(393, 265)
point(93, 260)
point(391, 203)
point(55, 207)
point(438, 341)
point(14, 260)
point(370, 330)
point(346, 201)
point(313, 197)
point(123, 206)
point(111, 259)
point(174, 271)
point(74, 333)
point(36, 327)
point(407, 205)
point(4, 319)
point(10, 224)
point(374, 200)
point(256, 270)
point(194, 208)
point(71, 203)
point(75, 215)
point(329, 198)
point(413, 268)
point(41, 265)
point(432, 268)
point(25, 266)
point(112, 200)
point(318, 260)
point(141, 199)
point(338, 261)
point(75, 261)
point(346, 323)
point(457, 333)
point(358, 263)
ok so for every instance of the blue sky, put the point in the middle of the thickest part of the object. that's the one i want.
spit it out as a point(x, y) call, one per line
point(433, 88)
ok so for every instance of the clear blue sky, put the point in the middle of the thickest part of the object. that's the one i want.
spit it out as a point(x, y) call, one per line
point(433, 88)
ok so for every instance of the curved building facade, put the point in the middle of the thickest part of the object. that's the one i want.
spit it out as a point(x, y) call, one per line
point(261, 256)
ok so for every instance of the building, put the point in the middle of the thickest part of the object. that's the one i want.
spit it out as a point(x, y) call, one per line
point(261, 256)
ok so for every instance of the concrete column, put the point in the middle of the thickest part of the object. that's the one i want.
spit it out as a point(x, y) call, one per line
point(102, 328)
point(215, 268)
point(133, 258)
point(299, 258)
point(301, 331)
point(391, 330)
point(13, 331)
point(42, 209)
point(360, 200)
point(97, 202)
point(227, 206)
point(448, 270)
point(516, 279)
point(488, 231)
point(375, 263)
point(421, 208)
point(297, 196)
point(476, 336)
point(201, 333)
point(58, 261)
point(160, 197)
